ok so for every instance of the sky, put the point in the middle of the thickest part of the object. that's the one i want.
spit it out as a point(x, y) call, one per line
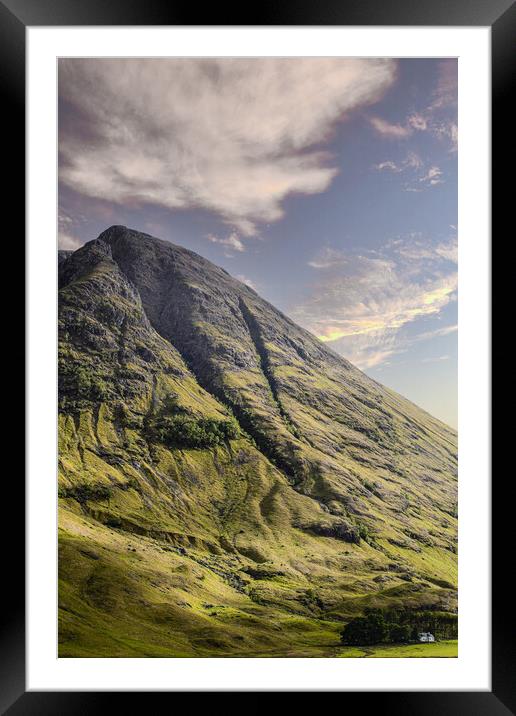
point(329, 185)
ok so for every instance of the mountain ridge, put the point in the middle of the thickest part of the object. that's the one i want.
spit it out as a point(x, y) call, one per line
point(196, 417)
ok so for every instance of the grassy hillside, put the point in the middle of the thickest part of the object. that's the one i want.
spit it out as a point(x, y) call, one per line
point(229, 486)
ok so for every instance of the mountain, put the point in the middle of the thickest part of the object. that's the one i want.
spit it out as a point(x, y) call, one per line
point(228, 485)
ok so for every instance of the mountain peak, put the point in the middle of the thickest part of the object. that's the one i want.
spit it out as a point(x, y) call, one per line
point(215, 422)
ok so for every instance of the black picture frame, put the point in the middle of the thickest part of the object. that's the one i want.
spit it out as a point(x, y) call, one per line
point(500, 15)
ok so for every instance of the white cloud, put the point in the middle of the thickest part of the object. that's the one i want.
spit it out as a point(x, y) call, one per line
point(416, 122)
point(235, 136)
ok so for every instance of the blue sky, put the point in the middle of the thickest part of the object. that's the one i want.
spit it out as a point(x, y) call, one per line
point(329, 185)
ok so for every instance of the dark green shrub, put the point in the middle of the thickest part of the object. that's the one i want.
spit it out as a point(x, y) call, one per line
point(85, 492)
point(363, 532)
point(338, 530)
point(80, 382)
point(189, 432)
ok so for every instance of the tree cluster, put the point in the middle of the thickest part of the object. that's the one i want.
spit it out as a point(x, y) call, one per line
point(394, 627)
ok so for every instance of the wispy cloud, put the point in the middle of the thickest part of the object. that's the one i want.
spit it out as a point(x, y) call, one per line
point(418, 122)
point(448, 132)
point(444, 331)
point(411, 162)
point(383, 302)
point(360, 303)
point(247, 281)
point(432, 177)
point(234, 136)
point(448, 250)
point(416, 249)
point(413, 165)
point(438, 117)
point(389, 130)
point(66, 237)
point(68, 242)
point(445, 91)
point(231, 243)
point(328, 258)
point(435, 359)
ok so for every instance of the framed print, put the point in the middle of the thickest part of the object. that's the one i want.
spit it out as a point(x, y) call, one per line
point(258, 375)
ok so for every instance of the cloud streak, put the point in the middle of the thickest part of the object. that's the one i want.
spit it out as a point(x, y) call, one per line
point(391, 131)
point(233, 136)
point(230, 243)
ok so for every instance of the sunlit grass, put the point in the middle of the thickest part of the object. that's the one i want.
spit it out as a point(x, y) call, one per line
point(436, 650)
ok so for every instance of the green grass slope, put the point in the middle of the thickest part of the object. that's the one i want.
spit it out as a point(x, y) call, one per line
point(228, 486)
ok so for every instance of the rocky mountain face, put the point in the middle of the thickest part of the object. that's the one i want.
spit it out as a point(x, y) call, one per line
point(229, 485)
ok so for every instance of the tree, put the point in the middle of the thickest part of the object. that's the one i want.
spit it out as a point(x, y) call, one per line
point(183, 430)
point(399, 633)
point(371, 629)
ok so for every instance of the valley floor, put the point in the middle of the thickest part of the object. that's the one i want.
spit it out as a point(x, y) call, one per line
point(439, 649)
